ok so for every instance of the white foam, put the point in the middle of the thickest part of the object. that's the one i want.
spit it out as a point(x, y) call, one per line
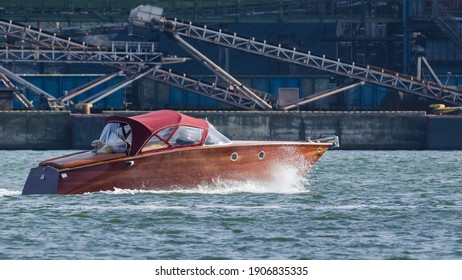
point(5, 192)
point(286, 179)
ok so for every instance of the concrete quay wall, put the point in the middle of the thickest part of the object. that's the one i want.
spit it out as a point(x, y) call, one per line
point(356, 130)
point(35, 130)
point(444, 132)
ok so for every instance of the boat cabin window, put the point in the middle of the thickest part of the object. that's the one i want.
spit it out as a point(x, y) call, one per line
point(165, 133)
point(215, 137)
point(186, 135)
point(154, 144)
point(118, 136)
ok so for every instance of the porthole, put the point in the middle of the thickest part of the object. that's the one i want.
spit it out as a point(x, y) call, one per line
point(261, 155)
point(234, 156)
point(319, 150)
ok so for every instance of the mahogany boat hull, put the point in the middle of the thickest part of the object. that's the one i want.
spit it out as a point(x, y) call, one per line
point(86, 172)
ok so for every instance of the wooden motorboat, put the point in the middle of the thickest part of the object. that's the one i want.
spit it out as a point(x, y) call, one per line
point(165, 150)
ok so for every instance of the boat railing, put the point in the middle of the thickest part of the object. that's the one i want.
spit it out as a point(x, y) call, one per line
point(334, 140)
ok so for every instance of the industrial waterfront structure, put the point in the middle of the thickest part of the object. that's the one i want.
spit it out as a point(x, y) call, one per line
point(58, 53)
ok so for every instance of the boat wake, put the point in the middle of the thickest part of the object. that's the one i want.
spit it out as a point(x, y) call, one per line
point(5, 192)
point(286, 180)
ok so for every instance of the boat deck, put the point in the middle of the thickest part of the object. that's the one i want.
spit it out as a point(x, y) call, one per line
point(79, 159)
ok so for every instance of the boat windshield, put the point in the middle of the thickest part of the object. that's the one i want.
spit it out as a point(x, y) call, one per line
point(118, 136)
point(186, 135)
point(215, 137)
point(158, 141)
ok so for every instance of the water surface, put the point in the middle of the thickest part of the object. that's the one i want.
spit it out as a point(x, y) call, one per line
point(351, 205)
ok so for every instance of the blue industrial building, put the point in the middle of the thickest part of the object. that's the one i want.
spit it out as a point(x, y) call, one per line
point(383, 33)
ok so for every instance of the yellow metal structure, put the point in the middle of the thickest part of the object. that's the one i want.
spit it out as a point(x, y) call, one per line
point(440, 109)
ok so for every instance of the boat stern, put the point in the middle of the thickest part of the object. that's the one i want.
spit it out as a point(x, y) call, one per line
point(42, 180)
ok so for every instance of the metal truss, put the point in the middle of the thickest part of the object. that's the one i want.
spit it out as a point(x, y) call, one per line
point(49, 47)
point(370, 74)
point(132, 58)
point(38, 36)
point(17, 92)
point(53, 102)
point(320, 95)
point(233, 82)
point(212, 90)
point(89, 55)
point(128, 80)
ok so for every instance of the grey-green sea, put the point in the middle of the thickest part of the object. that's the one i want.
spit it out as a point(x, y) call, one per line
point(350, 205)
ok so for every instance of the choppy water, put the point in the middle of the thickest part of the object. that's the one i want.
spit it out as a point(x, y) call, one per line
point(351, 205)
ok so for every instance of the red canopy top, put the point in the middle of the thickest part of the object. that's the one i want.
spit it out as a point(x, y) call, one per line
point(159, 120)
point(143, 126)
